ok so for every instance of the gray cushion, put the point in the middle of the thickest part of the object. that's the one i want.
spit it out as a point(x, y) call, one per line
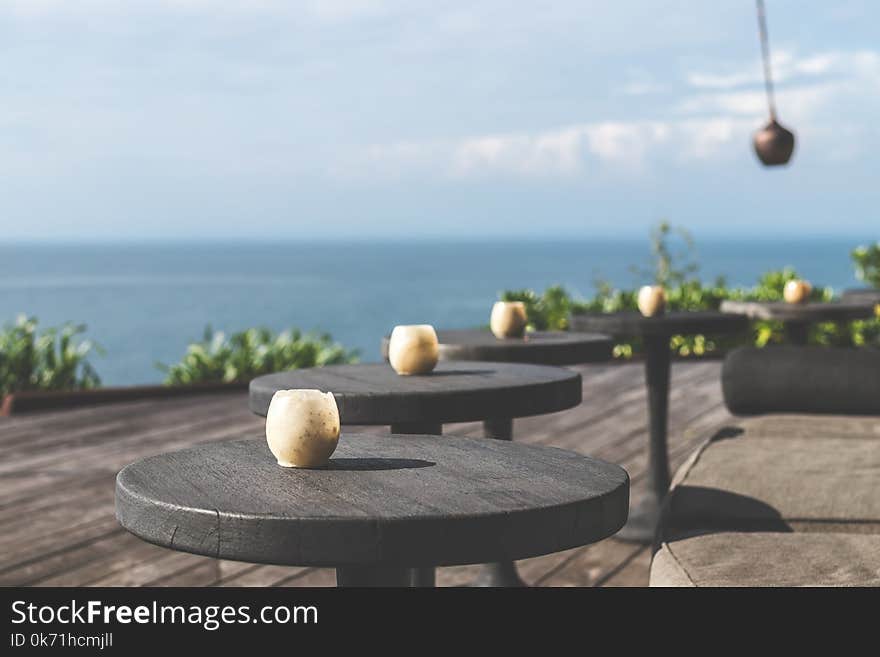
point(802, 380)
point(790, 425)
point(757, 483)
point(768, 559)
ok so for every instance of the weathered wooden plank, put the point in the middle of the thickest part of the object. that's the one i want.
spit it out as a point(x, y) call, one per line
point(81, 566)
point(23, 550)
point(57, 517)
point(601, 419)
point(311, 577)
point(588, 566)
point(203, 573)
point(262, 576)
point(100, 428)
point(633, 572)
point(48, 426)
point(74, 454)
point(114, 443)
point(38, 422)
point(33, 488)
point(161, 566)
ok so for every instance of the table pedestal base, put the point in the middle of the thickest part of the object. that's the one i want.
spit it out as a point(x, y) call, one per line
point(373, 576)
point(643, 518)
point(498, 574)
point(796, 333)
point(642, 523)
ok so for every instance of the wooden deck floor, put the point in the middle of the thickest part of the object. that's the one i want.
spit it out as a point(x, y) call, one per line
point(57, 526)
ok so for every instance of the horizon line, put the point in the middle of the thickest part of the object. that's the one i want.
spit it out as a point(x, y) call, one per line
point(445, 239)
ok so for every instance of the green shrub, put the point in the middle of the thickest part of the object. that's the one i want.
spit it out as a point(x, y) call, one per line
point(693, 296)
point(51, 360)
point(549, 310)
point(255, 351)
point(685, 291)
point(867, 262)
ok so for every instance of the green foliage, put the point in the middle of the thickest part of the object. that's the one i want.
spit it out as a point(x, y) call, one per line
point(255, 351)
point(670, 267)
point(685, 291)
point(867, 263)
point(771, 286)
point(51, 360)
point(547, 311)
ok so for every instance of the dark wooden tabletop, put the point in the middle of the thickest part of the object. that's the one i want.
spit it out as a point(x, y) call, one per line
point(382, 500)
point(861, 295)
point(634, 324)
point(538, 347)
point(373, 393)
point(803, 312)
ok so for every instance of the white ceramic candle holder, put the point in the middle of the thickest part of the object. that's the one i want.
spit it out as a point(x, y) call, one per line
point(302, 427)
point(652, 300)
point(508, 319)
point(413, 349)
point(797, 291)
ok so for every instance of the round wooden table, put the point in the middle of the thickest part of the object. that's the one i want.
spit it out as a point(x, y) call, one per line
point(796, 318)
point(382, 506)
point(655, 333)
point(861, 295)
point(473, 391)
point(537, 347)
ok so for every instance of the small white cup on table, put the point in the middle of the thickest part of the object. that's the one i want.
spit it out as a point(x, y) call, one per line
point(508, 319)
point(797, 291)
point(652, 300)
point(413, 349)
point(302, 428)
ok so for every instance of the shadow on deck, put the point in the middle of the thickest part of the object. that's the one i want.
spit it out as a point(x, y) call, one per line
point(57, 470)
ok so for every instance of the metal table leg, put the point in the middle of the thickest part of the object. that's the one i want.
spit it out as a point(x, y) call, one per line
point(372, 576)
point(644, 517)
point(796, 333)
point(499, 573)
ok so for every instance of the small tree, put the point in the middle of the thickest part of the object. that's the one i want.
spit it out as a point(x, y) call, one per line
point(671, 266)
point(867, 263)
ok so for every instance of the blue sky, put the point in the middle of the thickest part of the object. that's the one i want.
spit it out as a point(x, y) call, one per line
point(346, 118)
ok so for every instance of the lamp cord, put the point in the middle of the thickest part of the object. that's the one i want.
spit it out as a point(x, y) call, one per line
point(765, 54)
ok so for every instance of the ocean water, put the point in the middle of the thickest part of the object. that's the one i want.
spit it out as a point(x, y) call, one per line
point(143, 303)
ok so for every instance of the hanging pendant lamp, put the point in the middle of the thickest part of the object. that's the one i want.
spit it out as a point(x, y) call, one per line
point(774, 143)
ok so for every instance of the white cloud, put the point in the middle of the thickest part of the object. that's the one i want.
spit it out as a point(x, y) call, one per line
point(693, 116)
point(624, 143)
point(552, 152)
point(810, 87)
point(617, 146)
point(323, 10)
point(788, 67)
point(738, 103)
point(714, 122)
point(643, 88)
point(344, 10)
point(706, 139)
